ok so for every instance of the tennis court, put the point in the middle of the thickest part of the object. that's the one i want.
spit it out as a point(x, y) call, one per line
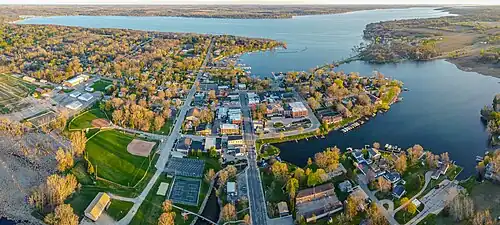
point(185, 191)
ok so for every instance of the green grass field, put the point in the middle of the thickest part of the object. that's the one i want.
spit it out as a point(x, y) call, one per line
point(151, 209)
point(108, 153)
point(118, 209)
point(101, 85)
point(84, 120)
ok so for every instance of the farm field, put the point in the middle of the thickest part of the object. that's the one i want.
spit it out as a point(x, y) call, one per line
point(84, 120)
point(108, 153)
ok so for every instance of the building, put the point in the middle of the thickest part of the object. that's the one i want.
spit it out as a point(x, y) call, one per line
point(345, 186)
point(253, 98)
point(398, 191)
point(283, 209)
point(76, 80)
point(86, 97)
point(89, 89)
point(193, 114)
point(235, 140)
point(75, 105)
point(234, 115)
point(184, 144)
point(318, 208)
point(229, 129)
point(29, 79)
point(97, 206)
point(75, 94)
point(204, 129)
point(358, 155)
point(443, 168)
point(297, 109)
point(214, 142)
point(392, 177)
point(314, 193)
point(373, 153)
point(329, 116)
point(222, 113)
point(231, 189)
point(242, 86)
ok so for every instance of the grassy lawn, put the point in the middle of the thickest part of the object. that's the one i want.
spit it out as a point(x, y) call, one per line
point(269, 150)
point(273, 194)
point(118, 209)
point(402, 216)
point(151, 209)
point(108, 153)
point(101, 85)
point(84, 120)
point(486, 195)
point(166, 128)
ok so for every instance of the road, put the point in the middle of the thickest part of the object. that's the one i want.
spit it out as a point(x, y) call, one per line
point(428, 176)
point(362, 184)
point(166, 146)
point(256, 194)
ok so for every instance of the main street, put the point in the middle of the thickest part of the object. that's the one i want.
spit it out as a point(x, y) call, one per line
point(256, 194)
point(167, 145)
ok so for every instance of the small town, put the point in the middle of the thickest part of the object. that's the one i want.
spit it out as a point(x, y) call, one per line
point(176, 129)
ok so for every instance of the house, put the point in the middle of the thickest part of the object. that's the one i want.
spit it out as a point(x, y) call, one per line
point(204, 129)
point(398, 191)
point(89, 89)
point(199, 98)
point(213, 142)
point(443, 167)
point(97, 206)
point(184, 144)
point(297, 109)
point(222, 113)
point(360, 194)
point(76, 80)
point(86, 97)
point(373, 153)
point(235, 140)
point(314, 193)
point(229, 129)
point(329, 116)
point(253, 98)
point(345, 186)
point(392, 177)
point(242, 86)
point(193, 114)
point(358, 155)
point(75, 105)
point(283, 209)
point(234, 116)
point(490, 172)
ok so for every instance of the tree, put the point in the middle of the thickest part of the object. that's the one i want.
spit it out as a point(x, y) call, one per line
point(431, 160)
point(352, 205)
point(213, 152)
point(400, 163)
point(375, 216)
point(209, 175)
point(414, 153)
point(223, 177)
point(461, 207)
point(64, 160)
point(313, 103)
point(411, 208)
point(247, 219)
point(212, 95)
point(291, 187)
point(329, 159)
point(482, 218)
point(317, 177)
point(78, 142)
point(158, 123)
point(309, 161)
point(445, 158)
point(280, 171)
point(299, 174)
point(62, 215)
point(228, 212)
point(167, 218)
point(231, 170)
point(383, 185)
point(167, 206)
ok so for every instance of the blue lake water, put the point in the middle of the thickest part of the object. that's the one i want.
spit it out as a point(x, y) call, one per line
point(440, 112)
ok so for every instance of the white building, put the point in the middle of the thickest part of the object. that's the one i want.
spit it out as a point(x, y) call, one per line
point(75, 94)
point(76, 80)
point(253, 98)
point(74, 105)
point(86, 97)
point(231, 188)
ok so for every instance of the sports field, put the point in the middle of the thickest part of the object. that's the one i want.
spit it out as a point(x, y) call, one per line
point(101, 85)
point(84, 120)
point(108, 153)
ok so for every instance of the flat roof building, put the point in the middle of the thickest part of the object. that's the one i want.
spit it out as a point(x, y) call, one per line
point(76, 80)
point(75, 105)
point(298, 109)
point(86, 97)
point(97, 206)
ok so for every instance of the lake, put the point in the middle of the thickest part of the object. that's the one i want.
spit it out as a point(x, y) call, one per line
point(440, 112)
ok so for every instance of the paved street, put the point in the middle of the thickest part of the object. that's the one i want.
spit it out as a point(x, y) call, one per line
point(362, 184)
point(166, 146)
point(256, 194)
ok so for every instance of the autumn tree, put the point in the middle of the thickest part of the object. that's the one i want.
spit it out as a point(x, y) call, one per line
point(329, 159)
point(375, 216)
point(376, 145)
point(383, 185)
point(317, 177)
point(414, 153)
point(223, 177)
point(431, 160)
point(247, 220)
point(209, 175)
point(280, 171)
point(78, 142)
point(292, 185)
point(299, 174)
point(231, 170)
point(400, 163)
point(62, 215)
point(168, 216)
point(53, 192)
point(352, 205)
point(461, 207)
point(64, 160)
point(158, 123)
point(482, 218)
point(228, 212)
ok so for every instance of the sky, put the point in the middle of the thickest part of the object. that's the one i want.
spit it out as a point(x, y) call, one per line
point(399, 2)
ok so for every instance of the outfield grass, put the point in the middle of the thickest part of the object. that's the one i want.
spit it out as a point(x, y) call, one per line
point(151, 209)
point(118, 209)
point(108, 153)
point(84, 120)
point(101, 85)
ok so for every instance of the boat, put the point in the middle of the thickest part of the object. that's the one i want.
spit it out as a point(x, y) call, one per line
point(479, 158)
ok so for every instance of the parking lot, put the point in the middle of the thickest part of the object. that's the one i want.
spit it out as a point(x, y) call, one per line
point(185, 191)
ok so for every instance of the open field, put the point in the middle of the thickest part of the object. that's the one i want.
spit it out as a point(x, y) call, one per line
point(101, 85)
point(118, 209)
point(108, 153)
point(85, 119)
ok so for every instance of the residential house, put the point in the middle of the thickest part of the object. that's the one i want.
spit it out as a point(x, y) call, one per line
point(283, 209)
point(373, 153)
point(392, 177)
point(314, 193)
point(204, 129)
point(441, 170)
point(184, 144)
point(398, 191)
point(345, 186)
point(193, 114)
point(214, 142)
point(317, 202)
